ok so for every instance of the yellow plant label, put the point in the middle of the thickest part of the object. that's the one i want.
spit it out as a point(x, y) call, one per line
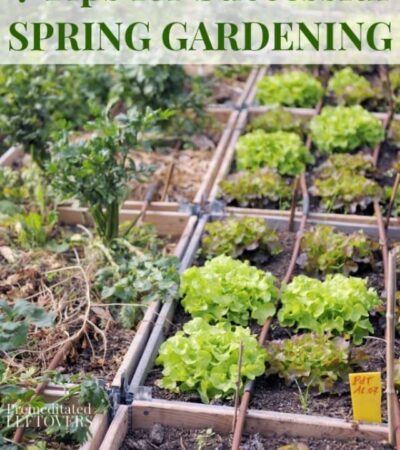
point(366, 396)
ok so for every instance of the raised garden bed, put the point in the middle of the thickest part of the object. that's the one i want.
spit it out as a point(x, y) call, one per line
point(189, 174)
point(281, 419)
point(236, 192)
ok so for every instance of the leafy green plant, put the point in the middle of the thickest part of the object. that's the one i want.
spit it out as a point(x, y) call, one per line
point(231, 71)
point(248, 188)
point(234, 236)
point(293, 88)
point(11, 185)
point(15, 321)
point(162, 87)
point(394, 133)
point(344, 129)
point(350, 88)
point(225, 289)
point(339, 305)
point(37, 101)
point(137, 280)
point(395, 79)
point(358, 164)
point(280, 150)
point(203, 358)
point(96, 171)
point(396, 205)
point(27, 208)
point(277, 119)
point(324, 250)
point(313, 361)
point(346, 191)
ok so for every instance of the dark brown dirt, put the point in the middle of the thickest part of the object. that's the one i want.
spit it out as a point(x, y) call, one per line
point(181, 439)
point(272, 394)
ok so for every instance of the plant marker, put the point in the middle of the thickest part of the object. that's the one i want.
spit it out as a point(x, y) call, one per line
point(366, 396)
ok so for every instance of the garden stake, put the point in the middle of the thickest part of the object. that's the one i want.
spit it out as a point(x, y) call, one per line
point(146, 203)
point(168, 180)
point(244, 405)
point(293, 203)
point(382, 241)
point(238, 382)
point(395, 188)
point(237, 436)
point(390, 115)
point(390, 335)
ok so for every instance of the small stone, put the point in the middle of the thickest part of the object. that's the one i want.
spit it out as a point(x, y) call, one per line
point(157, 434)
point(254, 443)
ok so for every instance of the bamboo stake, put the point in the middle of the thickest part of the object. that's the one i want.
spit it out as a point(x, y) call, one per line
point(393, 196)
point(390, 333)
point(168, 180)
point(238, 383)
point(293, 203)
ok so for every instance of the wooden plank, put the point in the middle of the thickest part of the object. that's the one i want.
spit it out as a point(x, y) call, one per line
point(167, 223)
point(213, 168)
point(252, 94)
point(343, 222)
point(154, 206)
point(137, 346)
point(117, 431)
point(307, 113)
point(98, 429)
point(10, 156)
point(250, 82)
point(165, 317)
point(268, 423)
point(229, 155)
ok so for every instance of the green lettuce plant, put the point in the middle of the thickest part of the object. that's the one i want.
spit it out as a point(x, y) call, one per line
point(277, 119)
point(249, 188)
point(325, 250)
point(350, 88)
point(203, 358)
point(225, 289)
point(282, 151)
point(233, 236)
point(313, 361)
point(232, 71)
point(339, 306)
point(346, 191)
point(359, 164)
point(293, 88)
point(344, 129)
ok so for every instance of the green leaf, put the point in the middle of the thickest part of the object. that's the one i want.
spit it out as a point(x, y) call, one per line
point(292, 88)
point(310, 360)
point(203, 358)
point(280, 150)
point(343, 305)
point(228, 290)
point(233, 236)
point(344, 129)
